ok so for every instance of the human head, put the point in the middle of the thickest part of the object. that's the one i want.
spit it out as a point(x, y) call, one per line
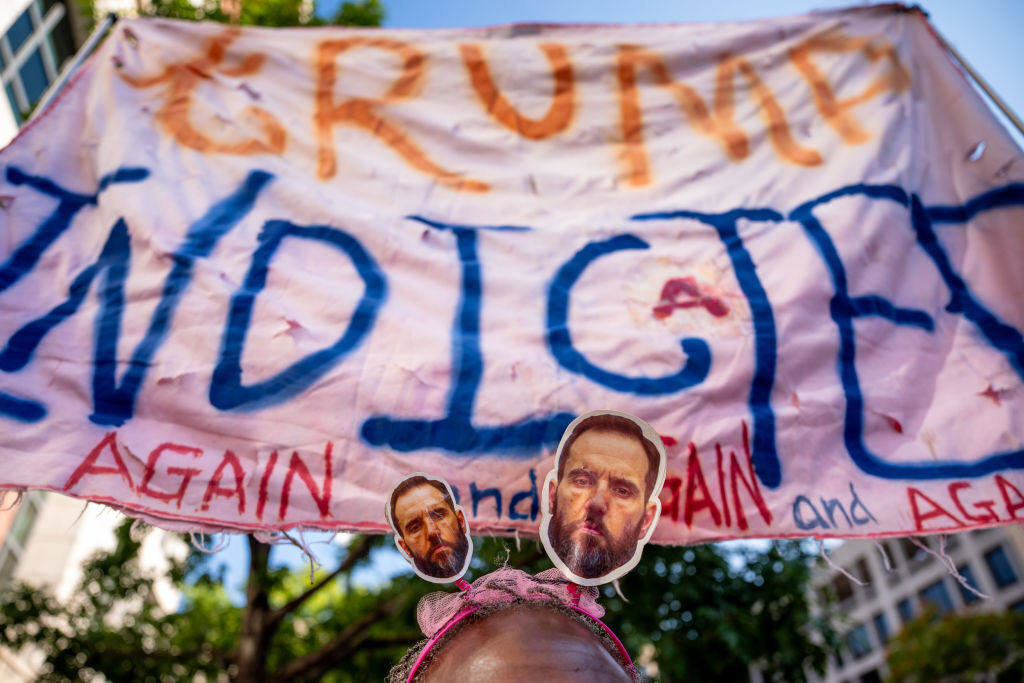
point(602, 498)
point(520, 640)
point(430, 529)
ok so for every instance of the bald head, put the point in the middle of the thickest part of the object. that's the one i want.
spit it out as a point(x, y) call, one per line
point(526, 643)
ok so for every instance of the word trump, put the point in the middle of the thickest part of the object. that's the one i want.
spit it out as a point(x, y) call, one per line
point(633, 70)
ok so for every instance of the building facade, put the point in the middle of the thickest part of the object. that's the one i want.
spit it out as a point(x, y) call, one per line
point(37, 37)
point(991, 560)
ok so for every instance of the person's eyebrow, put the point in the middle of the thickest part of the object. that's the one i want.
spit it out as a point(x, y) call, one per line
point(626, 483)
point(576, 471)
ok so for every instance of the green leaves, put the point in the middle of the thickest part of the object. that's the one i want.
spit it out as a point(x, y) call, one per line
point(959, 648)
point(701, 612)
point(266, 12)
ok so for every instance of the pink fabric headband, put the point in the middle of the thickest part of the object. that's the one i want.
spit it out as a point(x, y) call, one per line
point(439, 612)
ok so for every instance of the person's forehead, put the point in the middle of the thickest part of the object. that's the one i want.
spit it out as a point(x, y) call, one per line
point(418, 500)
point(609, 452)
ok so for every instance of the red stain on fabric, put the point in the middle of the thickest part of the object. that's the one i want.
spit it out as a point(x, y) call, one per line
point(683, 292)
point(992, 394)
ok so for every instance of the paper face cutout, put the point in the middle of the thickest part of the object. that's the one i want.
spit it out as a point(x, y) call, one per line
point(600, 504)
point(431, 531)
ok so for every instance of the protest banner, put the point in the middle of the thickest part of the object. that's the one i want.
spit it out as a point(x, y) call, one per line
point(250, 278)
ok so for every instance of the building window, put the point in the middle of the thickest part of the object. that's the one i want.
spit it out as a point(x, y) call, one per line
point(906, 610)
point(936, 595)
point(29, 60)
point(17, 536)
point(968, 574)
point(859, 642)
point(863, 572)
point(870, 677)
point(843, 588)
point(999, 567)
point(1017, 606)
point(881, 627)
point(891, 552)
point(914, 554)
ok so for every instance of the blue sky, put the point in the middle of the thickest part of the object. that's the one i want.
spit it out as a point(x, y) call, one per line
point(986, 32)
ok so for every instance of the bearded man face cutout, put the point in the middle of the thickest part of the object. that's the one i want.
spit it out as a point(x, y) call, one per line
point(602, 498)
point(430, 529)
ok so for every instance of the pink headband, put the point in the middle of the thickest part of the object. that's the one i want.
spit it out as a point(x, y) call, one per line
point(439, 612)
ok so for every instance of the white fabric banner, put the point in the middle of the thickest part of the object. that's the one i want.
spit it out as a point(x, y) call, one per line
point(250, 278)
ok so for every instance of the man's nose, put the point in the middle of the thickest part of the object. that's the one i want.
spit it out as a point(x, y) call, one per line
point(598, 503)
point(432, 528)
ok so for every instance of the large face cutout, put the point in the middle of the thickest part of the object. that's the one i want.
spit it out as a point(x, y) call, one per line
point(430, 529)
point(600, 503)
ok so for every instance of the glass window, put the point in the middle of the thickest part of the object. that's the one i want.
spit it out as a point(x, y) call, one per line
point(871, 677)
point(999, 566)
point(23, 521)
point(936, 595)
point(881, 627)
point(843, 588)
point(14, 543)
point(1017, 606)
point(19, 31)
point(968, 574)
point(861, 571)
point(8, 561)
point(914, 553)
point(906, 610)
point(858, 642)
point(33, 77)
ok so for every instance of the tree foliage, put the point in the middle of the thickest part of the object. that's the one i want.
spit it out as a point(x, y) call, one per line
point(114, 626)
point(265, 12)
point(970, 647)
point(699, 615)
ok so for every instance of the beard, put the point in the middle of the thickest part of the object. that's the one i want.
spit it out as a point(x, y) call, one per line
point(592, 556)
point(446, 569)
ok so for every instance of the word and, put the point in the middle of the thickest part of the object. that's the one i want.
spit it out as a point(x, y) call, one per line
point(808, 516)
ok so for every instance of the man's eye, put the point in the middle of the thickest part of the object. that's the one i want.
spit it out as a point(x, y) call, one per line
point(581, 481)
point(624, 491)
point(438, 514)
point(415, 526)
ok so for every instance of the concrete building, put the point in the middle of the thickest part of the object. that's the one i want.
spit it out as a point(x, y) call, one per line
point(991, 560)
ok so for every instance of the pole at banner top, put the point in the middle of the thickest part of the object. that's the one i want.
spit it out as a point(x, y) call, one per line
point(70, 69)
point(1003, 107)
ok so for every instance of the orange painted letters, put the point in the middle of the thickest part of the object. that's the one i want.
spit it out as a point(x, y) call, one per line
point(717, 123)
point(559, 115)
point(361, 111)
point(838, 112)
point(182, 79)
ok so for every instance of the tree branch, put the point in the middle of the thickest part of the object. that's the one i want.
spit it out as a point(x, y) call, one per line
point(339, 647)
point(361, 550)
